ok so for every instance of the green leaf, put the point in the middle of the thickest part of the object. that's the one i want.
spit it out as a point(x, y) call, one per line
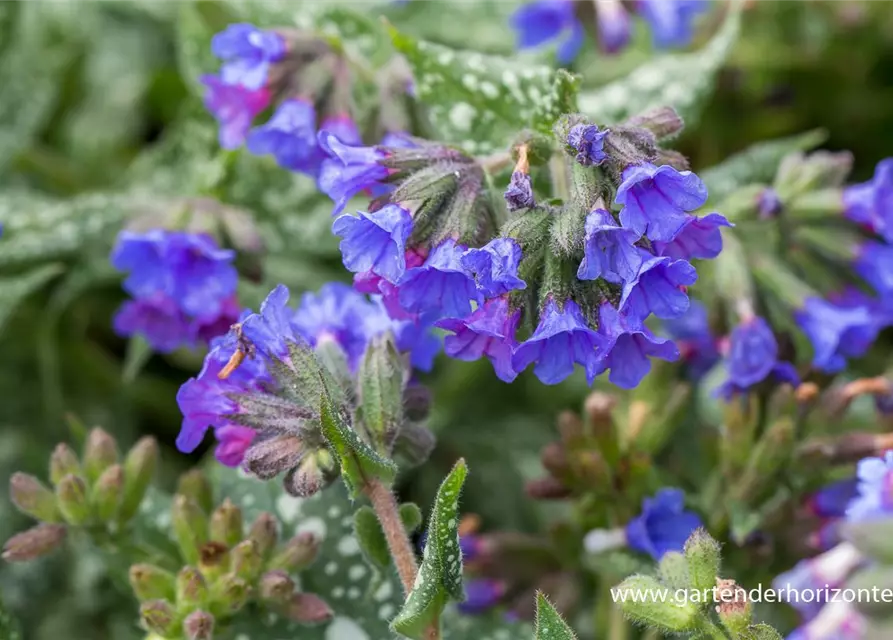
point(14, 289)
point(381, 377)
point(371, 537)
point(139, 352)
point(756, 164)
point(759, 632)
point(410, 516)
point(682, 81)
point(481, 102)
point(549, 623)
point(440, 575)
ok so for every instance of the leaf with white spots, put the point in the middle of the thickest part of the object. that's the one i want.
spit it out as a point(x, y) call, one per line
point(682, 81)
point(549, 623)
point(481, 102)
point(440, 576)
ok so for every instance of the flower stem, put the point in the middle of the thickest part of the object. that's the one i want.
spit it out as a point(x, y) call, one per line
point(385, 506)
point(560, 177)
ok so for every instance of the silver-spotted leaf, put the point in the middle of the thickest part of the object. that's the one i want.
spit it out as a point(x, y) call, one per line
point(549, 623)
point(440, 576)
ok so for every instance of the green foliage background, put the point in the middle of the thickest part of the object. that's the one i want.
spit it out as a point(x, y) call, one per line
point(100, 122)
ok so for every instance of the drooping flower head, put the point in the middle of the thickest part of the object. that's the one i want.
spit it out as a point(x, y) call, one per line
point(753, 357)
point(248, 52)
point(658, 288)
point(589, 142)
point(629, 344)
point(235, 108)
point(562, 338)
point(289, 136)
point(698, 238)
point(495, 266)
point(375, 242)
point(836, 332)
point(655, 199)
point(349, 169)
point(663, 525)
point(871, 203)
point(609, 250)
point(519, 194)
point(671, 21)
point(875, 490)
point(442, 285)
point(489, 332)
point(543, 21)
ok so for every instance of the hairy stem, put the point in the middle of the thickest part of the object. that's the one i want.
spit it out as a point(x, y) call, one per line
point(385, 506)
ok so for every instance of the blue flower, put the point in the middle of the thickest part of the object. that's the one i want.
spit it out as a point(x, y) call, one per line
point(609, 250)
point(697, 345)
point(875, 497)
point(348, 169)
point(614, 26)
point(413, 336)
point(442, 285)
point(337, 313)
point(158, 319)
point(589, 142)
point(629, 344)
point(290, 136)
point(832, 500)
point(769, 204)
point(655, 199)
point(495, 266)
point(874, 262)
point(545, 20)
point(234, 107)
point(836, 332)
point(481, 594)
point(519, 194)
point(871, 203)
point(664, 524)
point(375, 242)
point(671, 21)
point(489, 331)
point(698, 238)
point(562, 338)
point(248, 52)
point(272, 329)
point(753, 357)
point(188, 268)
point(658, 288)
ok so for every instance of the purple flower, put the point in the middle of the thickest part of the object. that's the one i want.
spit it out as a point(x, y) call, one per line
point(769, 204)
point(489, 331)
point(562, 338)
point(836, 332)
point(336, 312)
point(158, 319)
point(495, 266)
point(206, 328)
point(609, 250)
point(874, 262)
point(831, 500)
point(697, 345)
point(614, 26)
point(248, 52)
point(290, 136)
point(753, 352)
point(588, 141)
point(658, 288)
point(656, 199)
point(272, 329)
point(413, 336)
point(375, 242)
point(871, 203)
point(188, 268)
point(481, 594)
point(698, 238)
point(875, 497)
point(543, 21)
point(838, 620)
point(664, 524)
point(234, 107)
point(232, 442)
point(628, 344)
point(829, 569)
point(671, 21)
point(519, 194)
point(441, 285)
point(348, 169)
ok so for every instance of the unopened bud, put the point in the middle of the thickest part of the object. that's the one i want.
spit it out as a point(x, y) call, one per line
point(674, 570)
point(151, 583)
point(34, 543)
point(265, 533)
point(414, 444)
point(297, 554)
point(139, 467)
point(107, 492)
point(226, 524)
point(190, 526)
point(668, 615)
point(554, 459)
point(276, 588)
point(64, 461)
point(195, 485)
point(191, 589)
point(100, 452)
point(547, 488)
point(213, 559)
point(663, 122)
point(199, 625)
point(245, 560)
point(159, 617)
point(702, 553)
point(416, 402)
point(734, 610)
point(308, 608)
point(230, 593)
point(307, 479)
point(32, 498)
point(71, 498)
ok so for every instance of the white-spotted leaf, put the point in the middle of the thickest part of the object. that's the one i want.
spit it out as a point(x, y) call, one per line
point(549, 623)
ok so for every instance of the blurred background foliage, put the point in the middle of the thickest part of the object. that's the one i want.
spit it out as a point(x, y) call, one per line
point(101, 123)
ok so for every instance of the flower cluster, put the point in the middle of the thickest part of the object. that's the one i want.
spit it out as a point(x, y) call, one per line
point(545, 21)
point(237, 375)
point(183, 287)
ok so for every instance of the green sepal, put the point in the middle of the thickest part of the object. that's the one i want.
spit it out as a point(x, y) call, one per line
point(549, 623)
point(381, 381)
